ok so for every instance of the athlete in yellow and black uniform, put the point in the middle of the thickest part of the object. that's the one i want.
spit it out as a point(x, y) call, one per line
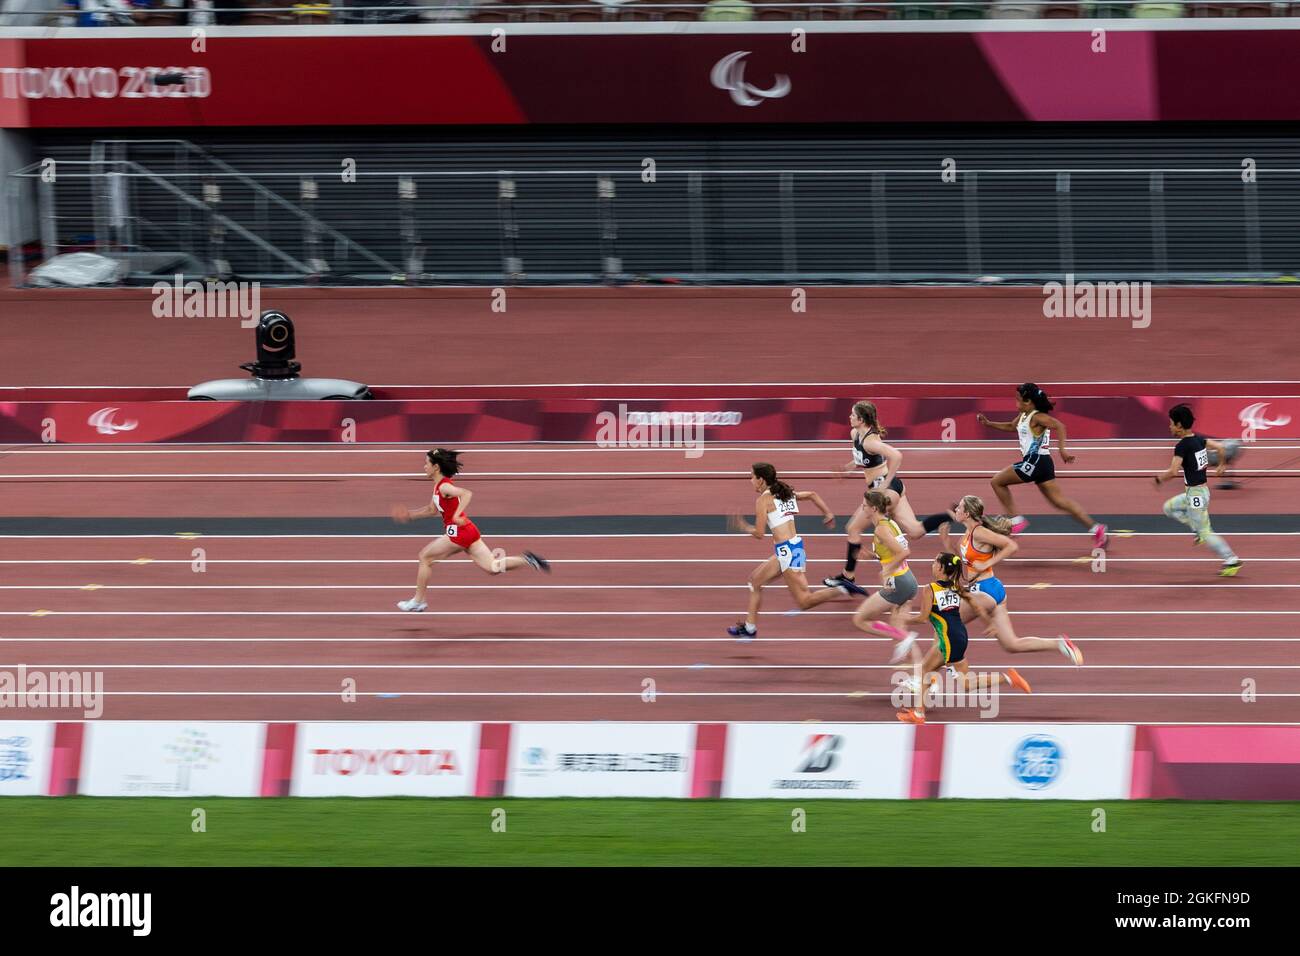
point(941, 603)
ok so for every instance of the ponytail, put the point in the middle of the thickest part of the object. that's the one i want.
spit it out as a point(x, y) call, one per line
point(767, 473)
point(951, 566)
point(867, 412)
point(998, 524)
point(1035, 395)
point(448, 461)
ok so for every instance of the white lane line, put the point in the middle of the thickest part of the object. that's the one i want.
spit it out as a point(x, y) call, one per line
point(731, 535)
point(876, 387)
point(525, 475)
point(596, 640)
point(1141, 695)
point(647, 561)
point(620, 612)
point(619, 667)
point(817, 446)
point(632, 586)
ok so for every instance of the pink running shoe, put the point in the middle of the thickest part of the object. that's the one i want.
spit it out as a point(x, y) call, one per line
point(1018, 524)
point(1099, 536)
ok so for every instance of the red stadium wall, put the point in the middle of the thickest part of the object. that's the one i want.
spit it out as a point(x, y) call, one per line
point(655, 73)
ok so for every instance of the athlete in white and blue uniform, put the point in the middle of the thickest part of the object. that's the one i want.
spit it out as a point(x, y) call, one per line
point(776, 508)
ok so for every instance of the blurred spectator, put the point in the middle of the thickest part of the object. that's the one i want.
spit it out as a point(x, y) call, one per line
point(1158, 10)
point(723, 10)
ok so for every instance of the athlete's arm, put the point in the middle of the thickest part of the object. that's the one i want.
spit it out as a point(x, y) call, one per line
point(984, 615)
point(462, 496)
point(852, 466)
point(1003, 547)
point(893, 460)
point(900, 551)
point(1000, 426)
point(1057, 426)
point(403, 514)
point(1218, 449)
point(828, 518)
point(1172, 470)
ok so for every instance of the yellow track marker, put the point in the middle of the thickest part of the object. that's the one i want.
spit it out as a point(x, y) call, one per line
point(1124, 533)
point(189, 534)
point(143, 561)
point(41, 612)
point(1083, 560)
point(813, 720)
point(92, 587)
point(858, 693)
point(1040, 586)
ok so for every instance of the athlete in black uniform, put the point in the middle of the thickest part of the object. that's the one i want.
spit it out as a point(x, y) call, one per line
point(1192, 507)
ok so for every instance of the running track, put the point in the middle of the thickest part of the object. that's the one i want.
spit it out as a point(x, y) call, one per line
point(276, 623)
point(303, 570)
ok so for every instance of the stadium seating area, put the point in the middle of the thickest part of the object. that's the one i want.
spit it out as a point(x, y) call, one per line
point(270, 12)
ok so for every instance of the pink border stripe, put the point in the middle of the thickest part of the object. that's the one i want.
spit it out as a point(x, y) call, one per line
point(493, 760)
point(277, 759)
point(710, 759)
point(927, 762)
point(65, 759)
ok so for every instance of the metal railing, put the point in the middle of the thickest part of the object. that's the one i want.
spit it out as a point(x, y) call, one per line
point(616, 225)
point(204, 12)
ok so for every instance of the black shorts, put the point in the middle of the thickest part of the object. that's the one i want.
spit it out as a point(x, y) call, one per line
point(895, 486)
point(1037, 470)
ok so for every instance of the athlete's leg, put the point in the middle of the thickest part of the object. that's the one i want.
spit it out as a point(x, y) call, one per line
point(1002, 628)
point(857, 524)
point(905, 516)
point(1001, 484)
point(765, 573)
point(1052, 492)
point(482, 555)
point(435, 550)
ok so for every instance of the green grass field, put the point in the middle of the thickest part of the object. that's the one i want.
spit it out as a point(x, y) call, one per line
point(141, 831)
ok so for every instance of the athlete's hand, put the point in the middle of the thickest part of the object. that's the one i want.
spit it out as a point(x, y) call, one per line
point(982, 418)
point(1068, 459)
point(828, 520)
point(461, 521)
point(401, 514)
point(1218, 472)
point(845, 470)
point(1156, 480)
point(736, 523)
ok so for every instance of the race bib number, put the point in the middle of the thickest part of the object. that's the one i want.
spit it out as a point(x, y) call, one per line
point(790, 507)
point(857, 457)
point(1202, 459)
point(1026, 467)
point(1196, 501)
point(451, 531)
point(947, 600)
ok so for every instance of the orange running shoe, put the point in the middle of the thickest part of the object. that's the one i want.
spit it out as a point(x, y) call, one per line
point(1018, 682)
point(911, 716)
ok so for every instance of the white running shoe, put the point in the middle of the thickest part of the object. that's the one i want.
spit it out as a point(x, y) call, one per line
point(903, 648)
point(412, 605)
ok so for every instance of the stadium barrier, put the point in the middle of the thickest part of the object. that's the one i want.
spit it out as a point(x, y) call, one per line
point(630, 423)
point(682, 760)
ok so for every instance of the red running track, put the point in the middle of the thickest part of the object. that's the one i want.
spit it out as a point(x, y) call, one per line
point(274, 626)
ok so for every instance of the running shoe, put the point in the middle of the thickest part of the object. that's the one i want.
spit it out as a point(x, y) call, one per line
point(537, 562)
point(847, 586)
point(880, 627)
point(1230, 570)
point(412, 605)
point(1018, 682)
point(1018, 524)
point(836, 581)
point(741, 630)
point(1099, 536)
point(911, 716)
point(903, 648)
point(1070, 649)
point(1197, 540)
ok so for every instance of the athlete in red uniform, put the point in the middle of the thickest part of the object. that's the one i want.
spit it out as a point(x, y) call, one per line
point(451, 502)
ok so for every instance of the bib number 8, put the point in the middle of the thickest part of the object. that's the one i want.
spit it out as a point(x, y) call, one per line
point(1196, 501)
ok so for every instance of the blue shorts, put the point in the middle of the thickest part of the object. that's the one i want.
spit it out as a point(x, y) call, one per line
point(791, 555)
point(993, 588)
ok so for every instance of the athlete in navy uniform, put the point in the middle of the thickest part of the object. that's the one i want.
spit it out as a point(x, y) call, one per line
point(1192, 507)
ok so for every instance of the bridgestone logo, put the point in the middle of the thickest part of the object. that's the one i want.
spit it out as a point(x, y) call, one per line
point(814, 784)
point(683, 418)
